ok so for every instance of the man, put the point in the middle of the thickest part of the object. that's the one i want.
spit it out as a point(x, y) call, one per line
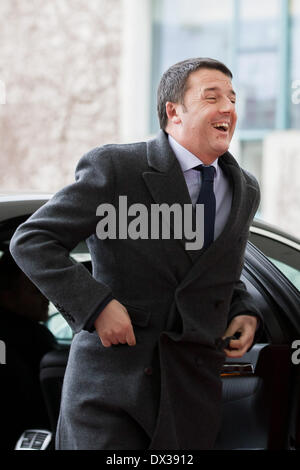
point(144, 365)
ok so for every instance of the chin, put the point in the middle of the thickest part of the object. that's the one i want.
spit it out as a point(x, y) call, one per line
point(220, 145)
point(221, 150)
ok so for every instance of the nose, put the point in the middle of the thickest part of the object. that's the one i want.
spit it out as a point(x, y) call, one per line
point(226, 105)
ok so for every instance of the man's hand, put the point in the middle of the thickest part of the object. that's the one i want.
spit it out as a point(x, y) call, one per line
point(114, 326)
point(246, 326)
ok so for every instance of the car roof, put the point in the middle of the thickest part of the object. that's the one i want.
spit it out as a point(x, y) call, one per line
point(266, 229)
point(20, 204)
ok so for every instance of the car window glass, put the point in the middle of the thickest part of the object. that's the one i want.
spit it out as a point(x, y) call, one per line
point(284, 254)
point(58, 325)
point(291, 273)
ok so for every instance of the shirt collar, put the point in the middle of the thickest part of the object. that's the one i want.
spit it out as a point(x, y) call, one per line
point(186, 159)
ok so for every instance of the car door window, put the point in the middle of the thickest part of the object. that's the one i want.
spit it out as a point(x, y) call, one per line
point(283, 253)
point(290, 272)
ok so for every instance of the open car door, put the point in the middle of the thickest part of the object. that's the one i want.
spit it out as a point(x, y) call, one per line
point(261, 389)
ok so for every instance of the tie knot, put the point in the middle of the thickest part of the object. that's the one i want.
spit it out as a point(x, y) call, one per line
point(208, 172)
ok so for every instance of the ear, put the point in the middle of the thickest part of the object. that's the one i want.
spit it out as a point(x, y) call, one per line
point(172, 112)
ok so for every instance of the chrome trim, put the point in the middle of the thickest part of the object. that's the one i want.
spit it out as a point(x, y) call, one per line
point(34, 439)
point(274, 236)
point(240, 369)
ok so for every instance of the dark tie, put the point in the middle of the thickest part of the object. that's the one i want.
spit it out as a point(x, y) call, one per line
point(207, 197)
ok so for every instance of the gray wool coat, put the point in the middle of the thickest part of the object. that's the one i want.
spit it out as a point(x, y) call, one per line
point(179, 301)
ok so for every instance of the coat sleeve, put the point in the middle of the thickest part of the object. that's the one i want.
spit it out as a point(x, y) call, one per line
point(242, 303)
point(41, 245)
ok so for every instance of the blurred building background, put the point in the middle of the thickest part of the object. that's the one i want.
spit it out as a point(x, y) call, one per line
point(82, 73)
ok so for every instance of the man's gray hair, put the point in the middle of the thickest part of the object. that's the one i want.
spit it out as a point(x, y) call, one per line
point(172, 86)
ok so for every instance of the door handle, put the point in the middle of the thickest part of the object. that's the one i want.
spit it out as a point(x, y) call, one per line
point(239, 369)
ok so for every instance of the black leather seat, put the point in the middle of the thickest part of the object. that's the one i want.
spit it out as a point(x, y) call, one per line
point(52, 370)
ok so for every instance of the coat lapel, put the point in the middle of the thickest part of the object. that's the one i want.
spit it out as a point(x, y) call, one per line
point(237, 223)
point(166, 182)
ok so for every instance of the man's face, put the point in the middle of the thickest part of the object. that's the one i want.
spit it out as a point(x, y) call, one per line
point(205, 123)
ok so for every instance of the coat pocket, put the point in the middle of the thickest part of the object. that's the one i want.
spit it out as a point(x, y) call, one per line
point(139, 316)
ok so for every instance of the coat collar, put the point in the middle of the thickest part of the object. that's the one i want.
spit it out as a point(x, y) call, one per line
point(161, 157)
point(166, 184)
point(159, 153)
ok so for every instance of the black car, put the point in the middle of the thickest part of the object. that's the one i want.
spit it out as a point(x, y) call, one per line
point(260, 390)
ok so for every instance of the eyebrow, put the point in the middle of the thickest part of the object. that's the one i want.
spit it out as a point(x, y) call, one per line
point(232, 92)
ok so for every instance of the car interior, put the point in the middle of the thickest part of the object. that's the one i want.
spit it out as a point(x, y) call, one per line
point(260, 391)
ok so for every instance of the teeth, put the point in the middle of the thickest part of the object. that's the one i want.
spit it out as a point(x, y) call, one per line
point(225, 125)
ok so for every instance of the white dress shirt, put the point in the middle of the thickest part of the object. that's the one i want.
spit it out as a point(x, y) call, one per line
point(193, 178)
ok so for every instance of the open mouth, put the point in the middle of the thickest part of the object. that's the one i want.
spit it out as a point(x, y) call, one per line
point(221, 126)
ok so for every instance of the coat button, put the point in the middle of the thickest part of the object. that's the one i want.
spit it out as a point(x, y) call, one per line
point(219, 303)
point(148, 370)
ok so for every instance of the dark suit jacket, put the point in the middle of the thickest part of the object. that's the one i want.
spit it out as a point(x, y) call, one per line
point(180, 302)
